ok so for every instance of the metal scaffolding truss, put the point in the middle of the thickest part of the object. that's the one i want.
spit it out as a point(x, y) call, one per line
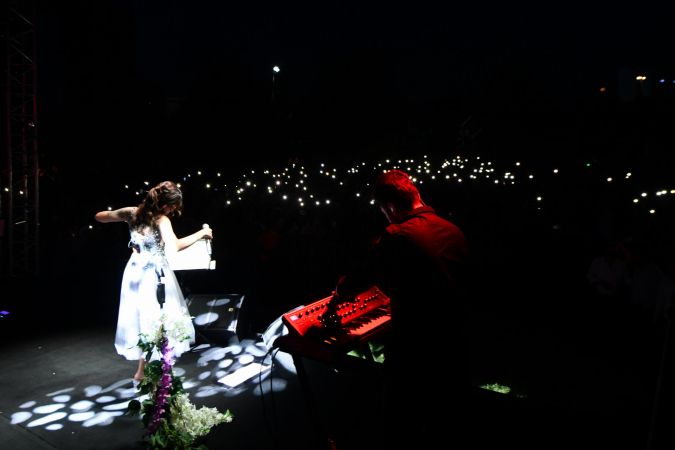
point(19, 177)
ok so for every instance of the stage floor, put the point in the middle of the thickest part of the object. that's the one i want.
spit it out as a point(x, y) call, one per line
point(63, 386)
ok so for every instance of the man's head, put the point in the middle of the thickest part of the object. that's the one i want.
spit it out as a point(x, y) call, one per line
point(396, 195)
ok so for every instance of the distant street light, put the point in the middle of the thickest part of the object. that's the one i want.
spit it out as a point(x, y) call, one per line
point(275, 71)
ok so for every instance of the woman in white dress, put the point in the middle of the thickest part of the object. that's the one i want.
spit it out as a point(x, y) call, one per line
point(152, 242)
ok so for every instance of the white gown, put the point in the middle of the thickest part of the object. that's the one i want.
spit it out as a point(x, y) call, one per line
point(139, 310)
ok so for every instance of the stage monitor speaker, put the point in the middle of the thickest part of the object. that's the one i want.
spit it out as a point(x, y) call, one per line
point(217, 317)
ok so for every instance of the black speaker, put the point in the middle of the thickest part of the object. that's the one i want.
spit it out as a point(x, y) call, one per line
point(217, 317)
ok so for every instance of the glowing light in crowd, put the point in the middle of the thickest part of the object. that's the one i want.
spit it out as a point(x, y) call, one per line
point(320, 186)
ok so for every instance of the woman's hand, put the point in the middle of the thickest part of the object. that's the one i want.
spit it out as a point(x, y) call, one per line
point(207, 232)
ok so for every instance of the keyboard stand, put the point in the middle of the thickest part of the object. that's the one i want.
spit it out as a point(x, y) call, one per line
point(299, 347)
point(326, 440)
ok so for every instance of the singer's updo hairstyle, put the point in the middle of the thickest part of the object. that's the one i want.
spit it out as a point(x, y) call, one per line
point(165, 198)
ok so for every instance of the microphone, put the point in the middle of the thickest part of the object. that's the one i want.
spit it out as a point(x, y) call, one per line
point(208, 241)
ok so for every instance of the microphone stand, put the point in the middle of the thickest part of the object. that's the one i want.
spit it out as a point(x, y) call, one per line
point(161, 291)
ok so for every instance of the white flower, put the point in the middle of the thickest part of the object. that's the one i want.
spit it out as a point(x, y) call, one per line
point(196, 422)
point(177, 329)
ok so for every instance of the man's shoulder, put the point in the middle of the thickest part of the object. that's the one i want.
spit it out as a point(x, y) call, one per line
point(426, 215)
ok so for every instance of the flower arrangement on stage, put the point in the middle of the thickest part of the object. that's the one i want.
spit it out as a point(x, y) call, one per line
point(171, 420)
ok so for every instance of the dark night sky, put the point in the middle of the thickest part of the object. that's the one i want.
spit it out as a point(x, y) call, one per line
point(127, 79)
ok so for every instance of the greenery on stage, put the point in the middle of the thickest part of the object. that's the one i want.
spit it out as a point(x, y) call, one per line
point(171, 420)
